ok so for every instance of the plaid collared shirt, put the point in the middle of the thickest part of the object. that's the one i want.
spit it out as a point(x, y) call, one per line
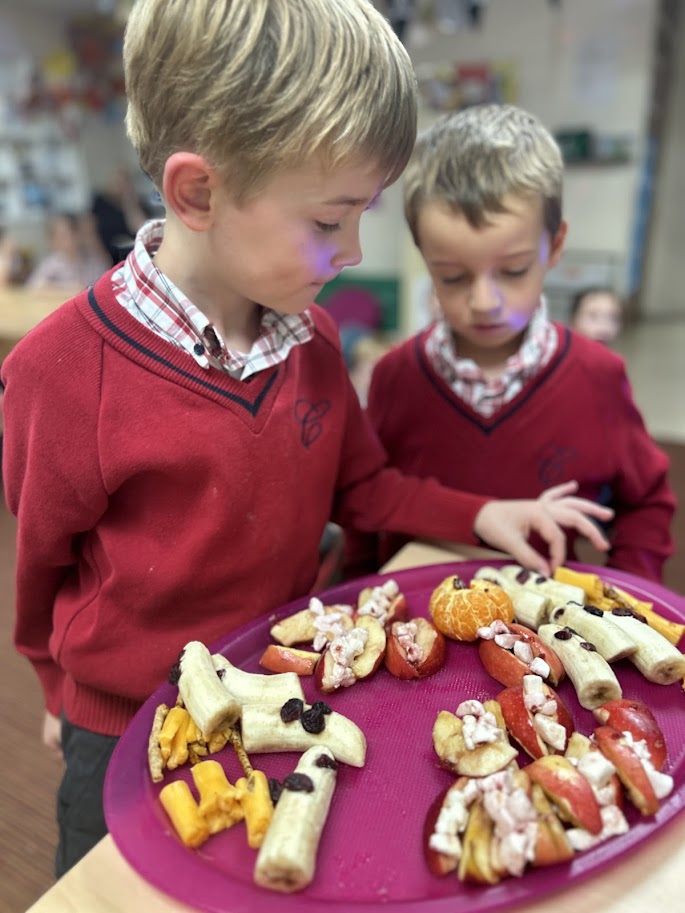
point(150, 297)
point(467, 380)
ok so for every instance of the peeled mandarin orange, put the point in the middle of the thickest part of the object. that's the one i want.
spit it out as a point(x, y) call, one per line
point(458, 611)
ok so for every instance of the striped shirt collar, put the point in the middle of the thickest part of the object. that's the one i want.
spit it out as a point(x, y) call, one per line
point(151, 297)
point(470, 384)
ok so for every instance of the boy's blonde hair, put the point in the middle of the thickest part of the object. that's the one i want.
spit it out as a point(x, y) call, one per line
point(256, 86)
point(474, 158)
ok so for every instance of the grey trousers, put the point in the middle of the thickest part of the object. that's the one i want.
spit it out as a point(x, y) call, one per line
point(80, 814)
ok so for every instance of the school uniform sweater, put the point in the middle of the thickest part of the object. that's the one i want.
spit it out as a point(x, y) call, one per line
point(160, 502)
point(575, 419)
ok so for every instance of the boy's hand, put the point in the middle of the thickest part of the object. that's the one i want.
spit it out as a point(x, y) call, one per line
point(507, 525)
point(52, 735)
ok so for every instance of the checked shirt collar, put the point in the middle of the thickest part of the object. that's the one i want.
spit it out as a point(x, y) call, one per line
point(150, 297)
point(467, 381)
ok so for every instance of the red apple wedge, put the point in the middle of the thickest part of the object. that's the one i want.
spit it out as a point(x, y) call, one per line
point(288, 659)
point(508, 669)
point(299, 628)
point(442, 863)
point(636, 718)
point(629, 767)
point(415, 649)
point(476, 863)
point(371, 657)
point(580, 745)
point(568, 790)
point(536, 732)
point(480, 761)
point(551, 844)
point(338, 667)
point(374, 601)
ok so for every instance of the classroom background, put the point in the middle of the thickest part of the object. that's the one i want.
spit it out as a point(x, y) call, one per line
point(607, 76)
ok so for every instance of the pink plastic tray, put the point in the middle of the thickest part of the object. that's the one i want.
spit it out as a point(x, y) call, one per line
point(370, 857)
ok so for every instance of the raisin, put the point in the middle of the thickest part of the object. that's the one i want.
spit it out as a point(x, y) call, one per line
point(175, 671)
point(458, 583)
point(558, 612)
point(298, 783)
point(627, 613)
point(325, 760)
point(540, 579)
point(292, 710)
point(313, 721)
point(522, 576)
point(275, 788)
point(593, 610)
point(321, 707)
point(591, 648)
point(564, 634)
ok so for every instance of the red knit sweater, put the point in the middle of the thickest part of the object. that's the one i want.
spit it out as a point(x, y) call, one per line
point(158, 502)
point(575, 420)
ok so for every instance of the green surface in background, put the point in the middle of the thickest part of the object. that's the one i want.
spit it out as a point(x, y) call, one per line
point(385, 289)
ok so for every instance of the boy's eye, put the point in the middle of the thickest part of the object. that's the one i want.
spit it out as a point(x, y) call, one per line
point(454, 280)
point(515, 273)
point(327, 226)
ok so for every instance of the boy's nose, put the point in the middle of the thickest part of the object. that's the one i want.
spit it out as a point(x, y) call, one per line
point(485, 295)
point(349, 253)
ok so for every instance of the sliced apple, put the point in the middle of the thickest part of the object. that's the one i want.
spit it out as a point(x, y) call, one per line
point(476, 863)
point(481, 761)
point(636, 718)
point(383, 602)
point(508, 669)
point(551, 845)
point(448, 740)
point(415, 649)
point(277, 658)
point(370, 659)
point(299, 628)
point(629, 767)
point(442, 863)
point(580, 745)
point(522, 725)
point(568, 790)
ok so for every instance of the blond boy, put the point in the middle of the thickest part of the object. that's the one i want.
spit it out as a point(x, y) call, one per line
point(178, 435)
point(496, 398)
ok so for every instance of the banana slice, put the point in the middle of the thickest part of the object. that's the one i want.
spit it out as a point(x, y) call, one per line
point(530, 607)
point(597, 627)
point(656, 657)
point(210, 704)
point(287, 858)
point(558, 593)
point(255, 688)
point(263, 730)
point(592, 676)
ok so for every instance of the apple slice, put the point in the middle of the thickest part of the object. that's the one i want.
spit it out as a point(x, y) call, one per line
point(536, 732)
point(578, 747)
point(371, 657)
point(287, 659)
point(300, 628)
point(415, 649)
point(551, 845)
point(384, 602)
point(508, 668)
point(636, 718)
point(441, 842)
point(568, 790)
point(629, 767)
point(476, 863)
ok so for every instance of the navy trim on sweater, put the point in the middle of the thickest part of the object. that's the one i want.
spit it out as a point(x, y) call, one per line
point(506, 413)
point(252, 408)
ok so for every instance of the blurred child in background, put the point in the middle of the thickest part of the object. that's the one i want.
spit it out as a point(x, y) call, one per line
point(597, 313)
point(76, 258)
point(494, 397)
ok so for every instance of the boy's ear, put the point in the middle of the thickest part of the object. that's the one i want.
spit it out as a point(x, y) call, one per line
point(187, 188)
point(557, 246)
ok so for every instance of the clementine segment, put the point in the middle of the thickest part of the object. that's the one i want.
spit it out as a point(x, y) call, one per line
point(458, 611)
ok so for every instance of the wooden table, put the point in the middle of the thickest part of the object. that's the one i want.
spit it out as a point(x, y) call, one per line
point(21, 309)
point(649, 879)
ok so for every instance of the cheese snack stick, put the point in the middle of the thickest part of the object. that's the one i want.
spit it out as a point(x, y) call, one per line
point(287, 858)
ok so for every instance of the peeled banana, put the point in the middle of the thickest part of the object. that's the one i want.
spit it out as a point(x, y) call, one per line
point(612, 641)
point(207, 700)
point(255, 688)
point(656, 658)
point(592, 676)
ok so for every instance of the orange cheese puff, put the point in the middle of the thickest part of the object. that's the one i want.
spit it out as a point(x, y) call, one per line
point(184, 813)
point(256, 803)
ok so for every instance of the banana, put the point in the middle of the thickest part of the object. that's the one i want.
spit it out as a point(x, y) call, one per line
point(210, 704)
point(254, 688)
point(558, 593)
point(656, 657)
point(611, 640)
point(592, 676)
point(287, 858)
point(263, 730)
point(530, 608)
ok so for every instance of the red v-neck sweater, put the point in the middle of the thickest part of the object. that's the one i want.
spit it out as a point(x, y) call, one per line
point(576, 419)
point(158, 502)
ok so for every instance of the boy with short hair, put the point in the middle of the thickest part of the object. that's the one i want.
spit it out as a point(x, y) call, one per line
point(597, 312)
point(178, 435)
point(495, 397)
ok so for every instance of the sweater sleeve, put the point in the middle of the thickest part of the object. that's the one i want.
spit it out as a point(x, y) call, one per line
point(642, 498)
point(52, 482)
point(371, 496)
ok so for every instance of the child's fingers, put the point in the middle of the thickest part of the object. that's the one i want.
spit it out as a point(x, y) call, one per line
point(559, 491)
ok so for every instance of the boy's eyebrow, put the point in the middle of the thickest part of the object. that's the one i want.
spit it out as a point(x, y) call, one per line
point(351, 201)
point(511, 256)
